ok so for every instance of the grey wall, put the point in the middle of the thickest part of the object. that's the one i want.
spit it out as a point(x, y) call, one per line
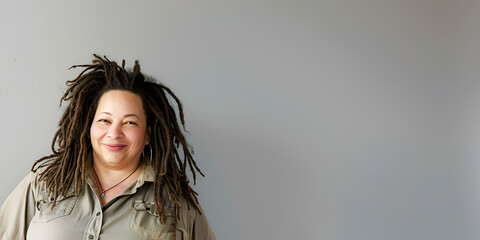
point(332, 120)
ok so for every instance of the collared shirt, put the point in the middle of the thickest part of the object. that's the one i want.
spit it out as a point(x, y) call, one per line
point(27, 214)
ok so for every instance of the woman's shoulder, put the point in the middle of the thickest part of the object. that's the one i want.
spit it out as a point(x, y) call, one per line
point(31, 183)
point(38, 185)
point(31, 180)
point(35, 177)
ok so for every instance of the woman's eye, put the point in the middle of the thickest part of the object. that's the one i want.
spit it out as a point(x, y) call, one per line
point(131, 123)
point(103, 121)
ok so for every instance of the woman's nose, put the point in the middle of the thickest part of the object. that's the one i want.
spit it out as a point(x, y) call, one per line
point(115, 131)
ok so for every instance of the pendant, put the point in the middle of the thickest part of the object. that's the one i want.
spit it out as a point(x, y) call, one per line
point(102, 195)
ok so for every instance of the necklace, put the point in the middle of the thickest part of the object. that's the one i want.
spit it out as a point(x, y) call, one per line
point(103, 191)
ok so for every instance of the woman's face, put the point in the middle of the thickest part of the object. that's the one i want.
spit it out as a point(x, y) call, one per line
point(119, 130)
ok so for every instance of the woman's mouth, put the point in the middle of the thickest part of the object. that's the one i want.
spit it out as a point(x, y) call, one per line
point(114, 147)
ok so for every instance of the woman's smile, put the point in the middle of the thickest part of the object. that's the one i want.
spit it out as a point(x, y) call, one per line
point(114, 147)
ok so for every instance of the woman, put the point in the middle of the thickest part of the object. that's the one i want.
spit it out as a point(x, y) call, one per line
point(118, 168)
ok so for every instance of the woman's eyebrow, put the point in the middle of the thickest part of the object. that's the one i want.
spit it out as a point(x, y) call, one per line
point(131, 115)
point(126, 115)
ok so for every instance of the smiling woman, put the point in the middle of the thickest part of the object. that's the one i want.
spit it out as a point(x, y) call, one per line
point(115, 171)
point(118, 136)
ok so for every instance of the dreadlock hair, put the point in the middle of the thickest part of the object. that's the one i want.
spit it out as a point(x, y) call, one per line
point(64, 169)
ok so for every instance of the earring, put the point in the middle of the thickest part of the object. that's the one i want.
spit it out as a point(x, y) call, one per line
point(151, 152)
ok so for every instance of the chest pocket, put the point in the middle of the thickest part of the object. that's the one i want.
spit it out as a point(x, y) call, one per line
point(63, 207)
point(144, 221)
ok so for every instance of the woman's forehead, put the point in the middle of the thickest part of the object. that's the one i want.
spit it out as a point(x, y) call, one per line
point(120, 102)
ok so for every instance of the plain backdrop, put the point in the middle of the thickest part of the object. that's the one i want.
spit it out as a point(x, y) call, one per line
point(335, 119)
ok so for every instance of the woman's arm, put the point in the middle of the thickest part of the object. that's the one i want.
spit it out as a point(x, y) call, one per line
point(17, 211)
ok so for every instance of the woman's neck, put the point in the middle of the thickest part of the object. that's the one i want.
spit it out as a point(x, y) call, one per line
point(113, 181)
point(110, 175)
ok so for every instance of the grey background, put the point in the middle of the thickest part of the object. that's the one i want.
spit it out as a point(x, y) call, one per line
point(333, 120)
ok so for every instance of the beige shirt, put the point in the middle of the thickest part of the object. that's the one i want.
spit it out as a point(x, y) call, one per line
point(27, 214)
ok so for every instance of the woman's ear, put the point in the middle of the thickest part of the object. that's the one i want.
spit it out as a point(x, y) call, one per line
point(147, 135)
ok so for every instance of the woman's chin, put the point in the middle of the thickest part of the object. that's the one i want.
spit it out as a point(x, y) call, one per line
point(115, 161)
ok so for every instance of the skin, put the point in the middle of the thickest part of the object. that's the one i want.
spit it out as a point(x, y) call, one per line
point(118, 136)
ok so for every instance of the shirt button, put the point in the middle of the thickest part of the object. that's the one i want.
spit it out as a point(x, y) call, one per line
point(98, 213)
point(91, 237)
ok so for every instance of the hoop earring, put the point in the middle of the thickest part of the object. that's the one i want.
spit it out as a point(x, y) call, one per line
point(151, 152)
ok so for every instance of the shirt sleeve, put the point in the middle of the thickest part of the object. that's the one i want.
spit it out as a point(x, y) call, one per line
point(17, 211)
point(201, 228)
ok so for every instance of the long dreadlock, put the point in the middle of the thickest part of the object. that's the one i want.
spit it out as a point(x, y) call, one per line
point(65, 167)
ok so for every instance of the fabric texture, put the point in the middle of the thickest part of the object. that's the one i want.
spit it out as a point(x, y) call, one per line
point(27, 214)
